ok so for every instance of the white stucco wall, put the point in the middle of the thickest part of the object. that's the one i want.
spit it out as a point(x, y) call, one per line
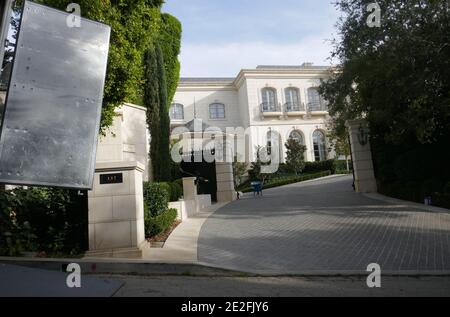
point(242, 99)
point(127, 139)
point(203, 97)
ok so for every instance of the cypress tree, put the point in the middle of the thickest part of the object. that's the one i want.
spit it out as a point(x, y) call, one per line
point(163, 173)
point(151, 102)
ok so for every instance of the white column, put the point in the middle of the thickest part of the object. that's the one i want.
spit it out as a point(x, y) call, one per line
point(116, 211)
point(189, 188)
point(362, 157)
point(225, 182)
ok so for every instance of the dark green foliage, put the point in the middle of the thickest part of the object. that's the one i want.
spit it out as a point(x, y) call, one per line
point(312, 167)
point(176, 191)
point(43, 220)
point(170, 42)
point(295, 156)
point(281, 181)
point(135, 26)
point(173, 189)
point(155, 100)
point(156, 198)
point(175, 172)
point(341, 165)
point(396, 76)
point(255, 173)
point(162, 171)
point(161, 223)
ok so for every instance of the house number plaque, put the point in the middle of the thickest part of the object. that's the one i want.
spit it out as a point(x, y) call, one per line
point(111, 178)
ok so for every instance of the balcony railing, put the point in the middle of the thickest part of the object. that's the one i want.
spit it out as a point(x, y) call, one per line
point(294, 107)
point(317, 106)
point(177, 116)
point(270, 107)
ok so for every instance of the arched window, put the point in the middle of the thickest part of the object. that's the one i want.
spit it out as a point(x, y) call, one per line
point(177, 112)
point(320, 149)
point(297, 136)
point(292, 99)
point(269, 142)
point(217, 111)
point(269, 99)
point(273, 144)
point(314, 102)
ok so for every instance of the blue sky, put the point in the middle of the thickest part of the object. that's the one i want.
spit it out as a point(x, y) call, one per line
point(220, 37)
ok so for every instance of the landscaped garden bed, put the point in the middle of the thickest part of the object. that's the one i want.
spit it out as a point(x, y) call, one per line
point(159, 240)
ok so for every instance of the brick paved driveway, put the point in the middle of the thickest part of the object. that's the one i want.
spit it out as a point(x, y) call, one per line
point(324, 226)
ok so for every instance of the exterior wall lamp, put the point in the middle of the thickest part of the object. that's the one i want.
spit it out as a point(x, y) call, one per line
point(363, 135)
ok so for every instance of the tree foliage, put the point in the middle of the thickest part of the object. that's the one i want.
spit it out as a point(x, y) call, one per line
point(170, 43)
point(395, 75)
point(135, 26)
point(295, 156)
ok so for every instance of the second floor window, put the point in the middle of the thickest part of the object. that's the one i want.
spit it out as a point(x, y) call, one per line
point(177, 112)
point(269, 99)
point(217, 111)
point(292, 99)
point(314, 102)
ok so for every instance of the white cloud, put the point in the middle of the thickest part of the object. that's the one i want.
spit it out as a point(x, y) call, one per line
point(226, 60)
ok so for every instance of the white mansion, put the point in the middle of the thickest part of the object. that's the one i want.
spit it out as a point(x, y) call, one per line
point(268, 99)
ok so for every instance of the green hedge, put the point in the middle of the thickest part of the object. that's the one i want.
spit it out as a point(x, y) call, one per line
point(156, 198)
point(341, 166)
point(315, 167)
point(173, 189)
point(417, 191)
point(161, 223)
point(176, 191)
point(289, 180)
point(49, 220)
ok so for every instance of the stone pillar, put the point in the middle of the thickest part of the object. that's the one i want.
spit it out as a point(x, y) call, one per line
point(362, 156)
point(116, 211)
point(225, 182)
point(189, 188)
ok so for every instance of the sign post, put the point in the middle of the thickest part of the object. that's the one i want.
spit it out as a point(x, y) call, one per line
point(53, 105)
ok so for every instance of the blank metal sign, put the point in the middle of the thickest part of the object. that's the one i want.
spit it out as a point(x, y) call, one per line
point(52, 114)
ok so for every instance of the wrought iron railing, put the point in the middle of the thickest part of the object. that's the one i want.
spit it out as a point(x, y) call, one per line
point(270, 107)
point(294, 107)
point(317, 106)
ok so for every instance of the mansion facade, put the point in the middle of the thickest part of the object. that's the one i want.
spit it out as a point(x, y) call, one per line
point(270, 102)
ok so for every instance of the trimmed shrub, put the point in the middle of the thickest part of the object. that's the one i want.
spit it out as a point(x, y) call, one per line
point(161, 223)
point(176, 191)
point(168, 188)
point(47, 220)
point(341, 165)
point(156, 198)
point(315, 167)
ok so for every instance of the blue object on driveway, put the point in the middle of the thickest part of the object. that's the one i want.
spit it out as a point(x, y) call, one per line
point(257, 188)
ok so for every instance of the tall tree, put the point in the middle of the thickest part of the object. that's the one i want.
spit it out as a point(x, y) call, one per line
point(162, 171)
point(135, 25)
point(396, 76)
point(295, 156)
point(170, 42)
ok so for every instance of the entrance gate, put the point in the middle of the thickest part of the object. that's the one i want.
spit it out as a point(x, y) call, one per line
point(205, 173)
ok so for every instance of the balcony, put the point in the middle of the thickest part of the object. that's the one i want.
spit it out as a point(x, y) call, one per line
point(317, 108)
point(271, 110)
point(294, 109)
point(177, 120)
